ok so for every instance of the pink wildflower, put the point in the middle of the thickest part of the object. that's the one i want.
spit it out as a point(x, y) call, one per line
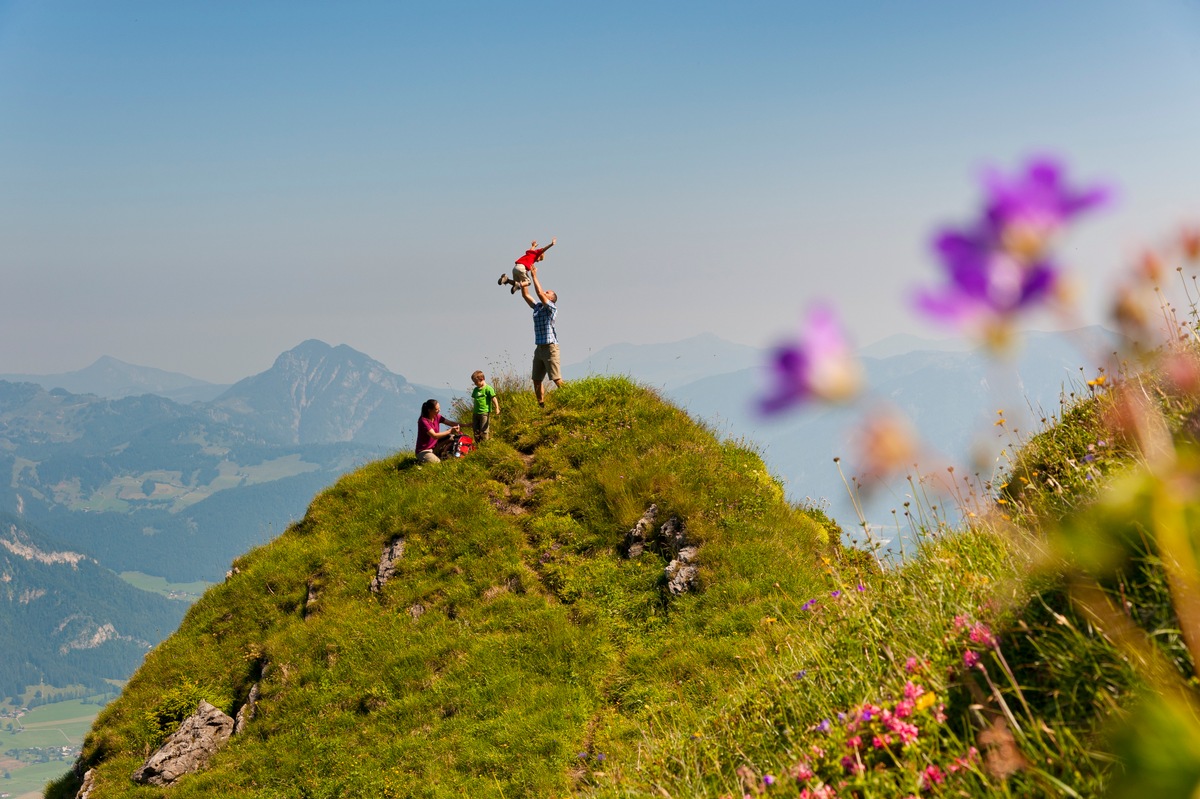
point(853, 765)
point(932, 775)
point(939, 715)
point(908, 732)
point(912, 690)
point(905, 709)
point(854, 742)
point(965, 761)
point(802, 772)
point(910, 665)
point(820, 792)
point(970, 659)
point(981, 635)
point(960, 622)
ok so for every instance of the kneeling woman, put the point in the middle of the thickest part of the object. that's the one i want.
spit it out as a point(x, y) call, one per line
point(431, 439)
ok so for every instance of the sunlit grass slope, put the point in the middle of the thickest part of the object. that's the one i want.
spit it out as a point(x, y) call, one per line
point(516, 651)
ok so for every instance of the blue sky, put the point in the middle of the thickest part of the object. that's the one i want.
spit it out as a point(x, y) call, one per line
point(200, 186)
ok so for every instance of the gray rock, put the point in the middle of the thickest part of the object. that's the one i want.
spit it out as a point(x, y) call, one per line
point(635, 539)
point(673, 535)
point(311, 598)
point(246, 712)
point(189, 748)
point(387, 564)
point(89, 784)
point(681, 572)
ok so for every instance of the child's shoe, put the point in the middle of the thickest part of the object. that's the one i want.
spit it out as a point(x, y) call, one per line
point(503, 279)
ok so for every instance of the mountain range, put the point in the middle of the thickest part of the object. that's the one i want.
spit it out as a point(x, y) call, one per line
point(67, 620)
point(109, 377)
point(143, 482)
point(948, 390)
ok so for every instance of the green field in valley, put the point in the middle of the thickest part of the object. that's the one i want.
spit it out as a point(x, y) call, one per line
point(185, 592)
point(41, 745)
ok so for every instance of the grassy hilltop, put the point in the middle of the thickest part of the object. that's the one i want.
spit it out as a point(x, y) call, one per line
point(520, 650)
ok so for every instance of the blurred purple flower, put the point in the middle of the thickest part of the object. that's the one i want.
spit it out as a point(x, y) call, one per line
point(1037, 203)
point(808, 605)
point(1001, 264)
point(819, 365)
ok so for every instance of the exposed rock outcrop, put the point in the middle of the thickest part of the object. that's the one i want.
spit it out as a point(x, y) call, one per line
point(387, 564)
point(89, 784)
point(672, 541)
point(681, 572)
point(246, 712)
point(635, 539)
point(189, 748)
point(311, 598)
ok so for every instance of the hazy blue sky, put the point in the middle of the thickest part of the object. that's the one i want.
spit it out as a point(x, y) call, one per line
point(198, 186)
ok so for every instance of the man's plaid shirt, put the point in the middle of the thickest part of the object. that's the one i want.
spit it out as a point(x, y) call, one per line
point(543, 323)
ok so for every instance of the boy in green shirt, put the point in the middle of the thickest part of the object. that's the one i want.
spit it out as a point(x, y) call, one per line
point(486, 402)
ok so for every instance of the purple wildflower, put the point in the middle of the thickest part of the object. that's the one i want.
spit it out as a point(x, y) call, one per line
point(1000, 264)
point(808, 605)
point(768, 779)
point(820, 365)
point(823, 726)
point(836, 594)
point(861, 587)
point(1038, 201)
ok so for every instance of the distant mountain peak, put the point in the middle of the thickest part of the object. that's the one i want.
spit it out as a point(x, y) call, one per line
point(115, 379)
point(316, 393)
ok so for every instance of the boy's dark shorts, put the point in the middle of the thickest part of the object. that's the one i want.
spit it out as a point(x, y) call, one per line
point(482, 426)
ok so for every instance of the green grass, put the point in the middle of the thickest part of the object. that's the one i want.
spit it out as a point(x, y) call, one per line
point(517, 652)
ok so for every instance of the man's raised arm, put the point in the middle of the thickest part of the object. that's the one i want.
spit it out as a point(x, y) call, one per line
point(525, 294)
point(537, 286)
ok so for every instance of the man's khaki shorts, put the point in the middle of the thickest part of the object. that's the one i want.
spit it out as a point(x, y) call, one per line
point(545, 363)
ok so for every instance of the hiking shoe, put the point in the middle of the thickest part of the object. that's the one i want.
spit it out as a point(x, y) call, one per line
point(503, 279)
